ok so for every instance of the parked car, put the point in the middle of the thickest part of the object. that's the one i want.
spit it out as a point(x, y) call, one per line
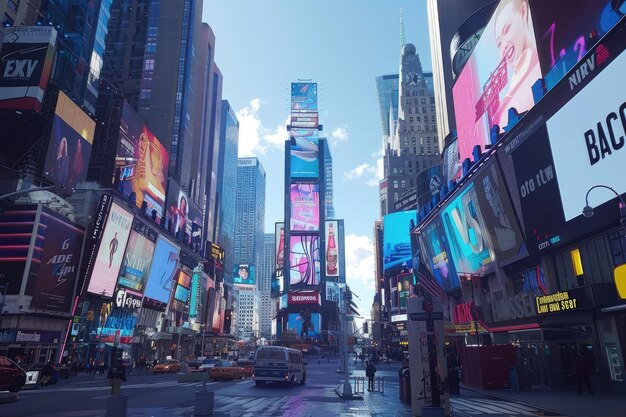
point(225, 370)
point(12, 376)
point(247, 367)
point(167, 366)
point(208, 363)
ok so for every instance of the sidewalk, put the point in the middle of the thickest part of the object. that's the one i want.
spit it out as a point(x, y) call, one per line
point(567, 403)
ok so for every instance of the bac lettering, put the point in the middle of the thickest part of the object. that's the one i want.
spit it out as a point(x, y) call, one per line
point(604, 139)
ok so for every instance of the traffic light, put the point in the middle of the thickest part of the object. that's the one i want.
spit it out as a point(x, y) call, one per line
point(365, 328)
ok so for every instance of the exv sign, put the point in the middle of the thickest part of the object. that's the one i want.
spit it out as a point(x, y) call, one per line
point(20, 68)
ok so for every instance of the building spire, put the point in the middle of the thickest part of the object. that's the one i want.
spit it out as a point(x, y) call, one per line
point(402, 35)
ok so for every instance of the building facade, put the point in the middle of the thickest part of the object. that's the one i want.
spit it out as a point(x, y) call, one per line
point(328, 181)
point(267, 308)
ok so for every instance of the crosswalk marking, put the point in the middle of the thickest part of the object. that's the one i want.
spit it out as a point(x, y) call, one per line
point(486, 406)
point(164, 384)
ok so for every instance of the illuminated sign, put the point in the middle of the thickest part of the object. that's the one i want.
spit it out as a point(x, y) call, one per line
point(305, 207)
point(575, 299)
point(304, 298)
point(398, 317)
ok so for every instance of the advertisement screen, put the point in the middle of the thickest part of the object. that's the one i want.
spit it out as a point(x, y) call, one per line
point(304, 152)
point(243, 274)
point(283, 302)
point(141, 163)
point(587, 142)
point(429, 183)
point(396, 239)
point(69, 149)
point(405, 289)
point(183, 285)
point(304, 324)
point(111, 252)
point(184, 216)
point(138, 257)
point(465, 229)
point(162, 271)
point(25, 65)
point(502, 231)
point(332, 249)
point(304, 262)
point(114, 319)
point(304, 120)
point(563, 38)
point(451, 165)
point(304, 96)
point(58, 269)
point(499, 75)
point(279, 235)
point(436, 253)
point(305, 207)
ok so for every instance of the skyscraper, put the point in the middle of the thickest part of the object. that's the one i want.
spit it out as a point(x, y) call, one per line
point(412, 145)
point(328, 180)
point(267, 308)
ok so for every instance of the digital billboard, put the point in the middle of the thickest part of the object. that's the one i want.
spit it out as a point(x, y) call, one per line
point(587, 142)
point(183, 285)
point(405, 289)
point(25, 65)
point(305, 207)
point(243, 274)
point(304, 262)
point(428, 184)
point(162, 271)
point(58, 266)
point(303, 96)
point(500, 224)
point(304, 324)
point(436, 253)
point(138, 256)
point(141, 163)
point(451, 164)
point(304, 119)
point(114, 320)
point(184, 217)
point(465, 230)
point(564, 38)
point(332, 249)
point(304, 153)
point(396, 239)
point(279, 235)
point(70, 143)
point(499, 75)
point(111, 252)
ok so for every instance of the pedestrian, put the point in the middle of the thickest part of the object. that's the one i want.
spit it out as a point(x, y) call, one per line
point(46, 374)
point(370, 373)
point(582, 372)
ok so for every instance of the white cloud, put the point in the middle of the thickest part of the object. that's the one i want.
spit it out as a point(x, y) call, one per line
point(360, 270)
point(372, 174)
point(254, 138)
point(378, 173)
point(357, 172)
point(340, 134)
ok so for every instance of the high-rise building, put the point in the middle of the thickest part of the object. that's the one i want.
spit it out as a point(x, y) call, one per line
point(328, 180)
point(267, 308)
point(227, 185)
point(413, 144)
point(444, 19)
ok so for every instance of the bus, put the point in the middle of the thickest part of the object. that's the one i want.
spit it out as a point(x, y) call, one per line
point(278, 364)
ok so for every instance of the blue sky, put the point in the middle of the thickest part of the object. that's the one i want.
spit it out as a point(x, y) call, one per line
point(343, 45)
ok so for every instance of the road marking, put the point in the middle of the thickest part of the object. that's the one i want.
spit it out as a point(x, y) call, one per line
point(480, 405)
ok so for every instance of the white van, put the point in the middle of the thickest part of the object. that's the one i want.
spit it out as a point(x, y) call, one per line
point(278, 364)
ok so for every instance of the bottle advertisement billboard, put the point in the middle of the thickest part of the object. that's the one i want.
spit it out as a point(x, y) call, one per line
point(332, 249)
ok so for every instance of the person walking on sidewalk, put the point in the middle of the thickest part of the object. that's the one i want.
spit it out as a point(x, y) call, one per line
point(582, 372)
point(370, 373)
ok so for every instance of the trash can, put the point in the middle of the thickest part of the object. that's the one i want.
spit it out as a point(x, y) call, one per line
point(513, 378)
point(405, 385)
point(453, 381)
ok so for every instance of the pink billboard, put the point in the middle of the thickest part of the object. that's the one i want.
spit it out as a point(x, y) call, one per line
point(305, 207)
point(497, 77)
point(304, 262)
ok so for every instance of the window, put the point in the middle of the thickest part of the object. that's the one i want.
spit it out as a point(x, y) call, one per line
point(395, 183)
point(408, 101)
point(13, 5)
point(7, 21)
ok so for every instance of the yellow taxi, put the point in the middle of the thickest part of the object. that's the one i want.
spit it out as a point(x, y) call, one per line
point(168, 366)
point(223, 370)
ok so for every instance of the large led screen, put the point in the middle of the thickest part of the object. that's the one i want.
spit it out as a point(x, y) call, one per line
point(70, 143)
point(279, 235)
point(304, 153)
point(499, 75)
point(162, 271)
point(305, 324)
point(304, 96)
point(305, 207)
point(111, 252)
point(141, 163)
point(304, 262)
point(58, 269)
point(138, 256)
point(243, 274)
point(183, 285)
point(396, 239)
point(332, 251)
point(564, 38)
point(436, 254)
point(116, 320)
point(451, 164)
point(183, 216)
point(465, 229)
point(587, 141)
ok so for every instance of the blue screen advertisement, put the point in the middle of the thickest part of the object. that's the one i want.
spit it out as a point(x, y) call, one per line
point(117, 319)
point(303, 326)
point(304, 153)
point(304, 96)
point(243, 274)
point(397, 240)
point(436, 253)
point(465, 230)
point(162, 271)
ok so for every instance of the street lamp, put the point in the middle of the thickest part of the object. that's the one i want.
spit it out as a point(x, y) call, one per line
point(588, 210)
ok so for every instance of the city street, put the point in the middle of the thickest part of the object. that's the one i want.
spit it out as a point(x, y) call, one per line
point(161, 395)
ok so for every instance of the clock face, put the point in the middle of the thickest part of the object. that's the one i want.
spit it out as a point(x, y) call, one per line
point(413, 78)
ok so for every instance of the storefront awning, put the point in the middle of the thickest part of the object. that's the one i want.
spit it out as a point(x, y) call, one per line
point(160, 336)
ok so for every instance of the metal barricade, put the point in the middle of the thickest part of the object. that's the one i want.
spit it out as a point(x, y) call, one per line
point(359, 383)
point(358, 387)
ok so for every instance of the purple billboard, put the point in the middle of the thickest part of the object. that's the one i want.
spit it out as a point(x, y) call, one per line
point(304, 262)
point(305, 207)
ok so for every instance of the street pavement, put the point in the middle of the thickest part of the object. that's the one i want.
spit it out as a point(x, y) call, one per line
point(161, 396)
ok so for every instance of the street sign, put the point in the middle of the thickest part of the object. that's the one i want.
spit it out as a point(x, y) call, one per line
point(425, 316)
